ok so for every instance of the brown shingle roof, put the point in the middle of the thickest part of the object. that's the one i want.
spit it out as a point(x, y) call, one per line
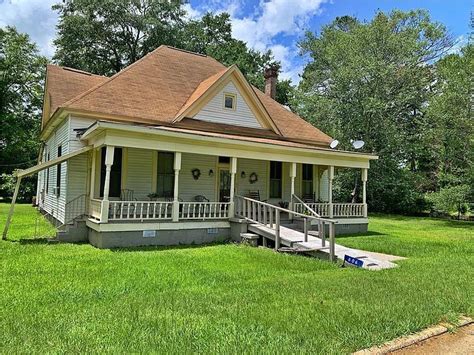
point(66, 83)
point(162, 84)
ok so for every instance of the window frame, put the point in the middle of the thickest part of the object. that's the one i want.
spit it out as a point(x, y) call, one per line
point(164, 175)
point(279, 179)
point(47, 173)
point(58, 171)
point(234, 101)
point(303, 180)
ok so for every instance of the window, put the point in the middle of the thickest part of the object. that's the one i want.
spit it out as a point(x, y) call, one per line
point(165, 178)
point(307, 181)
point(229, 101)
point(115, 173)
point(47, 176)
point(58, 172)
point(224, 160)
point(275, 179)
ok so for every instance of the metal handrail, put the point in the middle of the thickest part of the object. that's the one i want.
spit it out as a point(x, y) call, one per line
point(305, 205)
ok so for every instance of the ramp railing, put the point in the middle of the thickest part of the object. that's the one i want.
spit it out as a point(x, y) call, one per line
point(269, 215)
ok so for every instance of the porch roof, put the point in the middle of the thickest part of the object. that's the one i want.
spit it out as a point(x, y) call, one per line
point(100, 126)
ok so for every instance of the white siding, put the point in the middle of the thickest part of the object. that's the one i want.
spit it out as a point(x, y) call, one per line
point(139, 172)
point(287, 181)
point(53, 204)
point(77, 123)
point(249, 166)
point(205, 185)
point(214, 110)
point(78, 175)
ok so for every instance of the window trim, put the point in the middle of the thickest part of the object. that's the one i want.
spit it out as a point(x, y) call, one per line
point(270, 179)
point(168, 175)
point(59, 171)
point(234, 101)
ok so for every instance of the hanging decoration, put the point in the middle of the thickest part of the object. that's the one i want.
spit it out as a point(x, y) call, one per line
point(196, 173)
point(253, 178)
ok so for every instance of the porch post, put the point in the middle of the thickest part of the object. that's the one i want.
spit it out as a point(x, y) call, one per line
point(292, 191)
point(233, 170)
point(92, 183)
point(330, 178)
point(177, 168)
point(364, 191)
point(109, 160)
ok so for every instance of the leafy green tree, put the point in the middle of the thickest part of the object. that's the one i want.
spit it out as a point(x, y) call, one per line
point(372, 81)
point(22, 72)
point(105, 36)
point(453, 124)
point(449, 199)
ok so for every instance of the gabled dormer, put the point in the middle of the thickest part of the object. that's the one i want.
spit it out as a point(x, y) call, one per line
point(227, 98)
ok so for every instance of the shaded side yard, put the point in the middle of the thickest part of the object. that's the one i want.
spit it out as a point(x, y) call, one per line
point(229, 298)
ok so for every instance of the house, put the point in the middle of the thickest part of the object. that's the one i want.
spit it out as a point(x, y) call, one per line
point(176, 148)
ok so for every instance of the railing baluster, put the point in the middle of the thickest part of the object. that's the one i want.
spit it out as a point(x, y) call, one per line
point(277, 229)
point(305, 221)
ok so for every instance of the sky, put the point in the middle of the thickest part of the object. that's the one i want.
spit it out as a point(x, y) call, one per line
point(277, 25)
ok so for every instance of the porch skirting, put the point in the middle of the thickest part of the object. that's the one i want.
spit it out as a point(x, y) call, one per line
point(120, 235)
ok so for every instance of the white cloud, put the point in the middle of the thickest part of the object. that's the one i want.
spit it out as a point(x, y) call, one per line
point(34, 17)
point(273, 18)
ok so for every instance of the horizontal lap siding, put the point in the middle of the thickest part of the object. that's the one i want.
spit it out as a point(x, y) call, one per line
point(323, 184)
point(205, 185)
point(214, 110)
point(53, 204)
point(77, 123)
point(78, 167)
point(249, 166)
point(139, 172)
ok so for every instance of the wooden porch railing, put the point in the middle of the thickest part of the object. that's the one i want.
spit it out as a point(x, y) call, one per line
point(140, 210)
point(204, 210)
point(269, 216)
point(339, 209)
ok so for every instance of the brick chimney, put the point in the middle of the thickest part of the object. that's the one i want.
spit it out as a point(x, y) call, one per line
point(271, 77)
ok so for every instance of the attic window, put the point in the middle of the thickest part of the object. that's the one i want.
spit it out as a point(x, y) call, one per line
point(229, 101)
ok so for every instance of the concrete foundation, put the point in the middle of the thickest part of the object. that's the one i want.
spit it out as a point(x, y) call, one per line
point(106, 240)
point(74, 233)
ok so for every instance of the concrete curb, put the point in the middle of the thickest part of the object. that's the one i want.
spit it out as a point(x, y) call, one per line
point(405, 341)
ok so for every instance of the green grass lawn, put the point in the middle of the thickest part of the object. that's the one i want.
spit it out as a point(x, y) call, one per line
point(228, 298)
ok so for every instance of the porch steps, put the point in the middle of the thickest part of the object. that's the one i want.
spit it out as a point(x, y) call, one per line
point(291, 238)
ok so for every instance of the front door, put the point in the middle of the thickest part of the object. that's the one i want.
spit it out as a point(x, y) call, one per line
point(224, 185)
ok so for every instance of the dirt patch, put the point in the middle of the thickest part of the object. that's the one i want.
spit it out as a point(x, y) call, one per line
point(459, 342)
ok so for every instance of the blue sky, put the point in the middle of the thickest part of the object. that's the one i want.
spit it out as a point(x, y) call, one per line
point(263, 24)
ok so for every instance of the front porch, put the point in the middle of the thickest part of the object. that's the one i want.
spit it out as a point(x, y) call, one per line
point(147, 185)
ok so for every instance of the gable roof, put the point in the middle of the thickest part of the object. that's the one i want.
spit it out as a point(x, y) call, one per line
point(163, 86)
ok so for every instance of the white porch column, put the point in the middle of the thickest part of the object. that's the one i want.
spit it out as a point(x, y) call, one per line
point(233, 170)
point(292, 188)
point(364, 191)
point(177, 168)
point(109, 160)
point(92, 177)
point(330, 178)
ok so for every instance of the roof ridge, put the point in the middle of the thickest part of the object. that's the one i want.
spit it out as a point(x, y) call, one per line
point(75, 70)
point(187, 51)
point(94, 88)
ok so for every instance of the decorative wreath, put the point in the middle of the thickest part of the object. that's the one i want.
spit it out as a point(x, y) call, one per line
point(196, 173)
point(253, 178)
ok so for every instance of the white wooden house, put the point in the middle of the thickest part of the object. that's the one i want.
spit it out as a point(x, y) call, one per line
point(174, 148)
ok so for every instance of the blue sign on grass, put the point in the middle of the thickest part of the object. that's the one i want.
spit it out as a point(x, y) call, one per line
point(353, 261)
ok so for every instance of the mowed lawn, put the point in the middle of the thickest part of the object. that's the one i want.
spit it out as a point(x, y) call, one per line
point(228, 298)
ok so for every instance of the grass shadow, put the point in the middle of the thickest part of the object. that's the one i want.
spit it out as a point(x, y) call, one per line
point(31, 241)
point(165, 247)
point(364, 234)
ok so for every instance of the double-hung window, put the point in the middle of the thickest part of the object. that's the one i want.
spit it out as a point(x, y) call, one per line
point(275, 179)
point(165, 178)
point(307, 181)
